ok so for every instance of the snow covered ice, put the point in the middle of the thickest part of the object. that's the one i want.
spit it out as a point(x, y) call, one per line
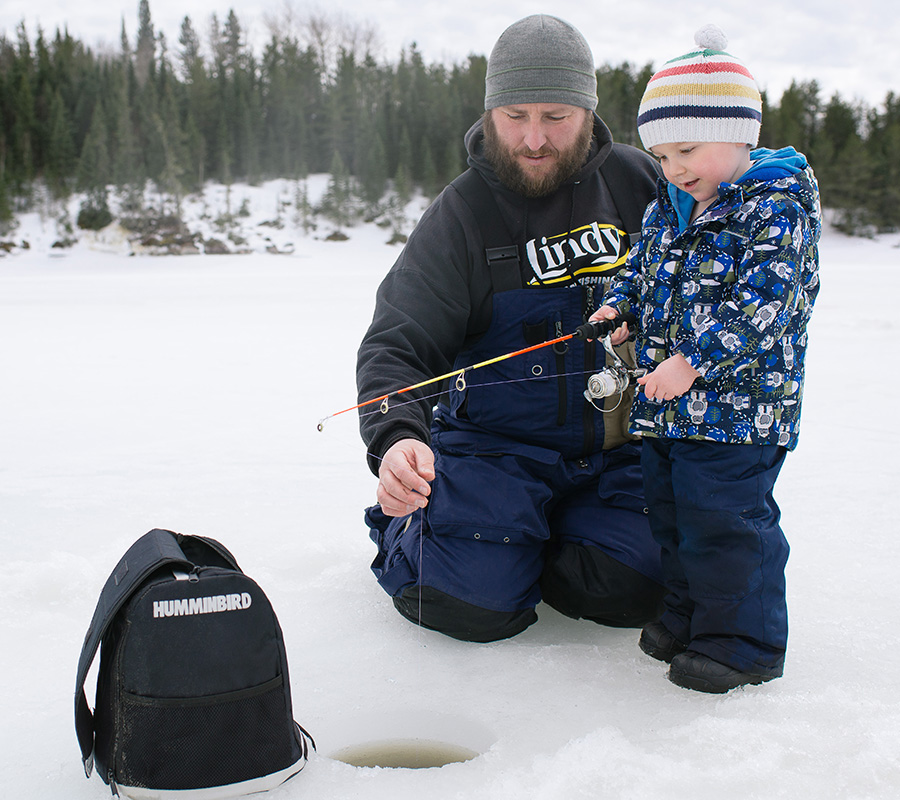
point(184, 393)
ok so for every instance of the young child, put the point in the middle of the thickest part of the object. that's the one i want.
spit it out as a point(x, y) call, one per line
point(722, 282)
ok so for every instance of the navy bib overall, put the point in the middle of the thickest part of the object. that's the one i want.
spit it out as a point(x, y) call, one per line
point(526, 505)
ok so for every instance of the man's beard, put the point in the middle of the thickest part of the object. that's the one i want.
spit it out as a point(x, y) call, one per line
point(514, 176)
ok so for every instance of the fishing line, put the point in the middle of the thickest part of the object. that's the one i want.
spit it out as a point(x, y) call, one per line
point(545, 377)
point(421, 547)
point(355, 446)
point(421, 566)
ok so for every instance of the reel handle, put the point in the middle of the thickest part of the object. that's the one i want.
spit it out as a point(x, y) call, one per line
point(603, 327)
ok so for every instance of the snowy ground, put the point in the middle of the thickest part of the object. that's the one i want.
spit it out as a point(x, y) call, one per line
point(184, 393)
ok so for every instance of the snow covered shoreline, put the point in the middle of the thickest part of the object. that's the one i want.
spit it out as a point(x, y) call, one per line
point(274, 217)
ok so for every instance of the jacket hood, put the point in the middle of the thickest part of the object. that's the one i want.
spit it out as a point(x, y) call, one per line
point(601, 144)
point(783, 170)
point(768, 164)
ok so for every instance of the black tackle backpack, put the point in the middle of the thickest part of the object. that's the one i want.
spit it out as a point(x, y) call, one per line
point(192, 689)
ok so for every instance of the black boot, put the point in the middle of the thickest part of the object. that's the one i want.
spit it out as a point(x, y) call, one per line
point(696, 671)
point(659, 643)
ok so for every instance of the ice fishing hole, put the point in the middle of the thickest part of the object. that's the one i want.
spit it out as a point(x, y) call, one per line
point(412, 741)
point(404, 754)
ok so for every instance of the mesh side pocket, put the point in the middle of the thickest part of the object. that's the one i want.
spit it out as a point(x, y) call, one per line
point(192, 743)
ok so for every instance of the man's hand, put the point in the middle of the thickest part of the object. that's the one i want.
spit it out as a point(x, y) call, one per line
point(670, 379)
point(406, 469)
point(621, 333)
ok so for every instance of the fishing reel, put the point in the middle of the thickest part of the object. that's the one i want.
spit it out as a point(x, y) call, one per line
point(618, 376)
point(611, 380)
point(608, 381)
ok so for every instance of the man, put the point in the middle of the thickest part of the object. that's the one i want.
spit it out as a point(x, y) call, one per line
point(515, 488)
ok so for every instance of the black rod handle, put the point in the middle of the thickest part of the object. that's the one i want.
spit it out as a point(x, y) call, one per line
point(600, 328)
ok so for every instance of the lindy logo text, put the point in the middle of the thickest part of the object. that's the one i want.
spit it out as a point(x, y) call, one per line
point(602, 245)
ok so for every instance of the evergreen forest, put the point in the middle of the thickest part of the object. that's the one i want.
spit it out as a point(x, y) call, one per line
point(315, 100)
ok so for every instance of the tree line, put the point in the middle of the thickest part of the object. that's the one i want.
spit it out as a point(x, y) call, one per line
point(316, 100)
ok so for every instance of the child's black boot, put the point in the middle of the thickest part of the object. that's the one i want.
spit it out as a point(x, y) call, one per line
point(658, 642)
point(696, 671)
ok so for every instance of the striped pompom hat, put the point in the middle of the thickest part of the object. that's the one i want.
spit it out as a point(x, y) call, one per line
point(706, 95)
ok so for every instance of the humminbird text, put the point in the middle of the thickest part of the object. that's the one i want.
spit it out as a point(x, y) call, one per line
point(201, 605)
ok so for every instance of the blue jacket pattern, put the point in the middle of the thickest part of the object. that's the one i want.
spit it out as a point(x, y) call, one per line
point(732, 292)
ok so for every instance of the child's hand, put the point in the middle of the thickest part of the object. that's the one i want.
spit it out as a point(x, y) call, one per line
point(621, 333)
point(670, 379)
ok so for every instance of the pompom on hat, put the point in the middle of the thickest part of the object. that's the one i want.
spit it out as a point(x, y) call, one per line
point(541, 59)
point(706, 95)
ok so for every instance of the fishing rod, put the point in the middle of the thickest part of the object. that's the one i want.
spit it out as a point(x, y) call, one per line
point(589, 330)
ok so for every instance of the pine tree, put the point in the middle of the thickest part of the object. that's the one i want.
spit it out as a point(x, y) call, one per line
point(404, 168)
point(338, 198)
point(766, 134)
point(400, 196)
point(145, 113)
point(5, 208)
point(145, 51)
point(21, 161)
point(233, 54)
point(124, 44)
point(373, 174)
point(470, 87)
point(94, 165)
point(236, 141)
point(431, 182)
point(128, 171)
point(796, 120)
point(195, 152)
point(60, 158)
point(344, 110)
point(455, 159)
point(883, 154)
point(6, 213)
point(223, 158)
point(171, 138)
point(304, 215)
point(370, 157)
point(838, 160)
point(619, 91)
point(79, 77)
point(189, 57)
point(197, 104)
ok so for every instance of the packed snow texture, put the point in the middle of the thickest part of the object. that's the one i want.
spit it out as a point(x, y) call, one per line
point(185, 393)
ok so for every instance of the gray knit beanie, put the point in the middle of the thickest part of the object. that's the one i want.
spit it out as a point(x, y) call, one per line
point(541, 59)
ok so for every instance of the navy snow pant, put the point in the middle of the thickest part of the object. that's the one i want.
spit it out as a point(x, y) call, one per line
point(723, 551)
point(508, 525)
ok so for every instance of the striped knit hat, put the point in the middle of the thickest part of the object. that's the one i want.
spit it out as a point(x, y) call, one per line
point(706, 95)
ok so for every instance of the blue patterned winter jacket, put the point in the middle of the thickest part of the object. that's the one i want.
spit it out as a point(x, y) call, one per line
point(732, 292)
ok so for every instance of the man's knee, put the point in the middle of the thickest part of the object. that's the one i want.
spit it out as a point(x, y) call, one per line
point(438, 611)
point(585, 582)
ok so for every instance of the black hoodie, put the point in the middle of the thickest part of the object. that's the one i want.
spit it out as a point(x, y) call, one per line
point(437, 297)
